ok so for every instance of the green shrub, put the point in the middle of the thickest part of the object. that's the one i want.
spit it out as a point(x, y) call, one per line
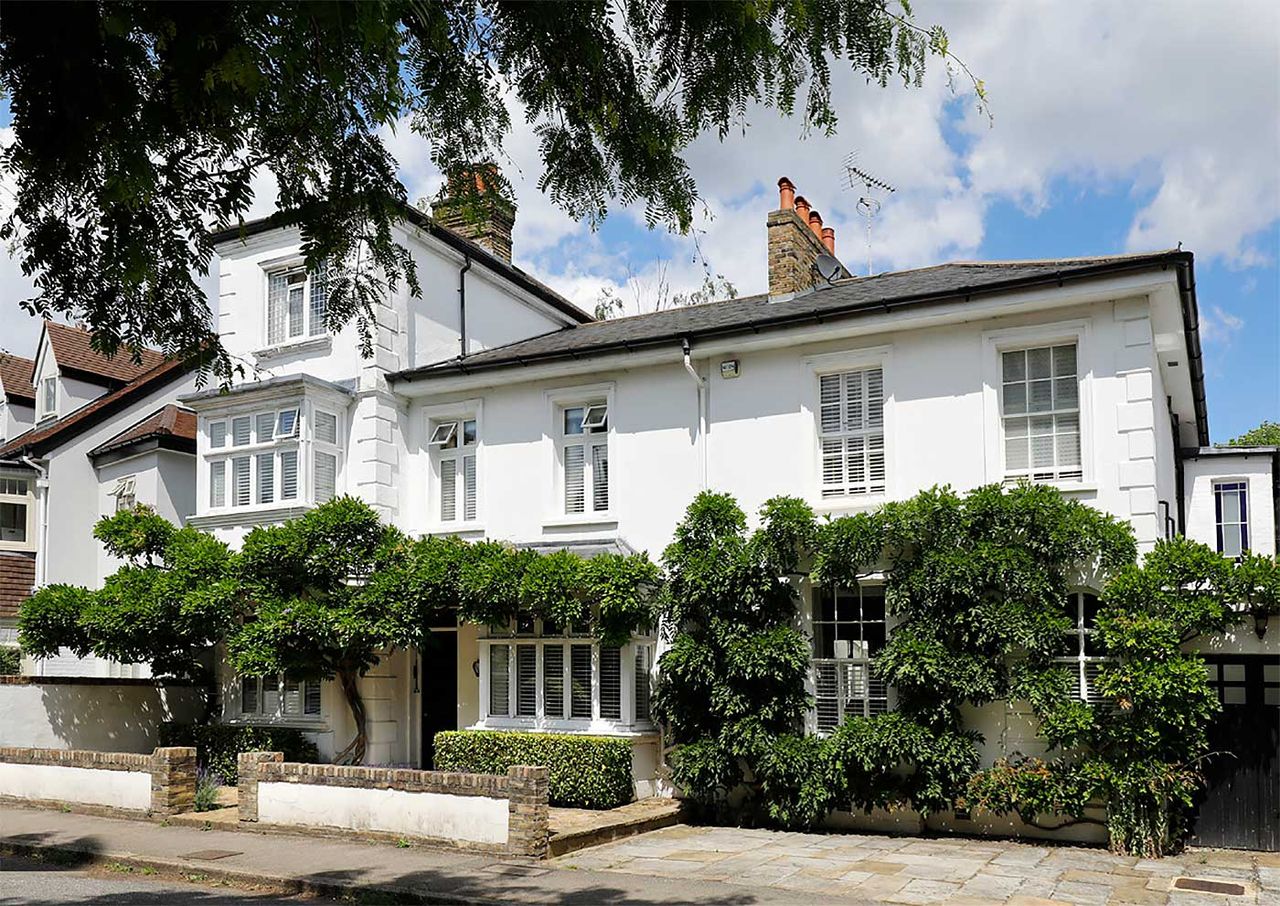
point(217, 745)
point(10, 661)
point(586, 771)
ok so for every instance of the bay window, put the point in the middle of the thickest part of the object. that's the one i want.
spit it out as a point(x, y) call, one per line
point(254, 457)
point(453, 444)
point(296, 305)
point(275, 697)
point(539, 676)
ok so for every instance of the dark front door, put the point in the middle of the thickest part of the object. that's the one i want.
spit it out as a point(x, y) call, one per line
point(439, 668)
point(1240, 805)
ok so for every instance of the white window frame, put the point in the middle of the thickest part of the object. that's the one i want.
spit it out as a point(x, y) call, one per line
point(309, 331)
point(1084, 664)
point(280, 715)
point(846, 680)
point(995, 344)
point(1220, 486)
point(439, 415)
point(818, 366)
point(626, 722)
point(584, 398)
point(27, 500)
point(47, 383)
point(301, 441)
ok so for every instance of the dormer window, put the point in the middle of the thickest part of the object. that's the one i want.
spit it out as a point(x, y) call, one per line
point(296, 305)
point(49, 396)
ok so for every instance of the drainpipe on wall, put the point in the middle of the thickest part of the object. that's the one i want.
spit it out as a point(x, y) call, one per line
point(462, 306)
point(42, 518)
point(702, 407)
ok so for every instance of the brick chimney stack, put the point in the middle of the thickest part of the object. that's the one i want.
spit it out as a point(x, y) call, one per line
point(474, 204)
point(796, 239)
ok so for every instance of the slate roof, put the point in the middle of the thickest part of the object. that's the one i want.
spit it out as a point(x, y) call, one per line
point(844, 299)
point(45, 437)
point(173, 426)
point(17, 576)
point(424, 221)
point(15, 375)
point(76, 355)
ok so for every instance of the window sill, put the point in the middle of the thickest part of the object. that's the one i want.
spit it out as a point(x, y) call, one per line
point(601, 520)
point(248, 514)
point(17, 547)
point(454, 528)
point(837, 505)
point(569, 726)
point(322, 343)
point(309, 724)
point(1066, 485)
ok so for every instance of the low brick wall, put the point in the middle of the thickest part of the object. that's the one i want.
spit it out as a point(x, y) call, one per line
point(477, 811)
point(162, 783)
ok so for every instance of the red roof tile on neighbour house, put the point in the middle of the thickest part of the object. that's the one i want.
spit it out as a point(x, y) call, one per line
point(75, 353)
point(169, 422)
point(43, 438)
point(17, 576)
point(15, 375)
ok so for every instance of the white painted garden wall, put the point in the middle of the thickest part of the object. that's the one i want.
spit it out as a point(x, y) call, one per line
point(475, 819)
point(123, 716)
point(85, 786)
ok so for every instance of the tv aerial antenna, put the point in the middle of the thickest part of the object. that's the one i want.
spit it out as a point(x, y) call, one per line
point(857, 179)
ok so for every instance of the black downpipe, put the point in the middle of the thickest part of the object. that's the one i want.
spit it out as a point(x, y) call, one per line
point(462, 307)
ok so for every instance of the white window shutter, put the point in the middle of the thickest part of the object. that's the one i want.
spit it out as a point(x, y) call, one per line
point(288, 474)
point(580, 681)
point(240, 481)
point(218, 484)
point(266, 477)
point(600, 477)
point(611, 683)
point(526, 680)
point(499, 680)
point(574, 479)
point(448, 490)
point(553, 680)
point(326, 475)
point(469, 487)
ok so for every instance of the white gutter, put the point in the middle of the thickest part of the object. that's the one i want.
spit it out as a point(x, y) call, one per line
point(42, 518)
point(702, 408)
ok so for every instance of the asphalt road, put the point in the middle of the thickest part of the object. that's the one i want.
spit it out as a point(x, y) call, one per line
point(25, 882)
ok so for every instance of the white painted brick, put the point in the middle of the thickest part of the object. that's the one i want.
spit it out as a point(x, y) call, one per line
point(1142, 444)
point(1138, 385)
point(1137, 333)
point(1134, 416)
point(1142, 500)
point(1139, 473)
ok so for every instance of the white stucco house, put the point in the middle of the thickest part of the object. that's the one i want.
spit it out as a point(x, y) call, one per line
point(492, 408)
point(101, 434)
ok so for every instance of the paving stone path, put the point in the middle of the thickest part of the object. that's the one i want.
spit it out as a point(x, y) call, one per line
point(915, 871)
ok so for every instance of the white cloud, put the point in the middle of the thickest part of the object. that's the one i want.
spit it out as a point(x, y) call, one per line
point(1218, 326)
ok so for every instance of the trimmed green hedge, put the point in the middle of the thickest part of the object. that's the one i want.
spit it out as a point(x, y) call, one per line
point(586, 771)
point(217, 745)
point(10, 661)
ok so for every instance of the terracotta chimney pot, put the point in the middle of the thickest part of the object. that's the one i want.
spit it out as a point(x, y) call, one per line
point(829, 239)
point(786, 194)
point(802, 208)
point(815, 223)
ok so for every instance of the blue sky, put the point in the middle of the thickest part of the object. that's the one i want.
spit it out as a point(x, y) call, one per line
point(1117, 128)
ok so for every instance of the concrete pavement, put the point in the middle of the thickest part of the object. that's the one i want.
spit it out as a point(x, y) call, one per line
point(334, 867)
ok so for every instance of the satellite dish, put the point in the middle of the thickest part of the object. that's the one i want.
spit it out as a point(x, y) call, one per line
point(828, 266)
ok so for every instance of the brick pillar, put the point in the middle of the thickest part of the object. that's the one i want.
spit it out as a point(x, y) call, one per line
point(247, 784)
point(173, 780)
point(527, 828)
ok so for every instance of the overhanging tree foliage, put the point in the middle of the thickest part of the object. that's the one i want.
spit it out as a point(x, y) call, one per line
point(324, 596)
point(140, 126)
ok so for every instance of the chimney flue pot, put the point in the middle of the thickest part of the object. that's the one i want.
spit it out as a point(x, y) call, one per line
point(786, 194)
point(815, 223)
point(829, 239)
point(802, 208)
